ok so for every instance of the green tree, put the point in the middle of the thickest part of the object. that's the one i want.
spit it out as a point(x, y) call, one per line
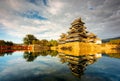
point(2, 42)
point(115, 41)
point(9, 43)
point(44, 42)
point(35, 42)
point(6, 43)
point(28, 39)
point(52, 43)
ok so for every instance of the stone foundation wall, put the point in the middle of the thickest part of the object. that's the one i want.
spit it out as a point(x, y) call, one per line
point(78, 48)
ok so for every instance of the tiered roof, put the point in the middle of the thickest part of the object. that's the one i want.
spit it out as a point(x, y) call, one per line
point(78, 32)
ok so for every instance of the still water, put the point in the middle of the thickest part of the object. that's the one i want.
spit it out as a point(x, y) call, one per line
point(54, 66)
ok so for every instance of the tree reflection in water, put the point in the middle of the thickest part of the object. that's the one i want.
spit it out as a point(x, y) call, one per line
point(77, 64)
point(6, 52)
point(31, 56)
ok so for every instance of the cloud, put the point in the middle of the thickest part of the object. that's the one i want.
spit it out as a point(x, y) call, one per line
point(55, 7)
point(32, 15)
point(49, 18)
point(17, 68)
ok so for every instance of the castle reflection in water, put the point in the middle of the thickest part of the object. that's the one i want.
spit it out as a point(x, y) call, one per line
point(77, 64)
point(76, 61)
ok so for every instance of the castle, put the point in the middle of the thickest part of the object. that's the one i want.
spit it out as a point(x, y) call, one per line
point(78, 33)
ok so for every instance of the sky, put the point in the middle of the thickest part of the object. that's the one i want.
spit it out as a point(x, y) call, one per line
point(47, 19)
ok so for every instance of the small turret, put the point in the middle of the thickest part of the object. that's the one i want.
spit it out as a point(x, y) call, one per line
point(62, 38)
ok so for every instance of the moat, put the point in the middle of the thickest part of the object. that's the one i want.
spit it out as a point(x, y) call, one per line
point(57, 66)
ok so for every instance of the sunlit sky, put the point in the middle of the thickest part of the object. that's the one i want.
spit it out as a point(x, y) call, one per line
point(47, 19)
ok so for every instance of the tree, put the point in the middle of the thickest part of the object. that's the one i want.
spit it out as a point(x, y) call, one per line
point(6, 43)
point(2, 42)
point(28, 39)
point(42, 42)
point(52, 43)
point(115, 41)
point(35, 42)
point(9, 43)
